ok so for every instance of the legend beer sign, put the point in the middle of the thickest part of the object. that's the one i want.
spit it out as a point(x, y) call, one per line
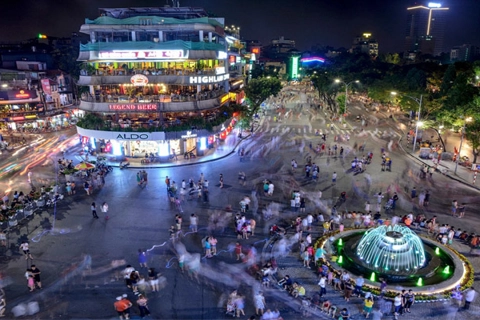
point(208, 79)
point(142, 54)
point(132, 107)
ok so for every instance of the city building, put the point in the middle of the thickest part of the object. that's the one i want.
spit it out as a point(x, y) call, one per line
point(465, 52)
point(156, 81)
point(31, 99)
point(280, 48)
point(365, 44)
point(425, 29)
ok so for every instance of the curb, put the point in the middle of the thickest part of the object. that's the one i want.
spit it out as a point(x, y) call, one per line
point(447, 175)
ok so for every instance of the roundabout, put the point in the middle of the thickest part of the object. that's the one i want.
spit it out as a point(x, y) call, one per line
point(399, 256)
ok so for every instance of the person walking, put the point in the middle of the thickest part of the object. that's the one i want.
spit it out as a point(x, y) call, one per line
point(104, 209)
point(142, 258)
point(397, 303)
point(259, 301)
point(409, 300)
point(413, 194)
point(367, 306)
point(26, 250)
point(36, 275)
point(194, 222)
point(470, 295)
point(323, 285)
point(221, 180)
point(334, 178)
point(142, 306)
point(93, 208)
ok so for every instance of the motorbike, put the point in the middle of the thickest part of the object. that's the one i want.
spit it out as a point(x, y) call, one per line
point(124, 165)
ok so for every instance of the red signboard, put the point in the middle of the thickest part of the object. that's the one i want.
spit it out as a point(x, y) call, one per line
point(132, 107)
point(22, 95)
point(46, 86)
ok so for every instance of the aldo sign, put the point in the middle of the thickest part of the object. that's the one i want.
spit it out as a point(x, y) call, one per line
point(133, 136)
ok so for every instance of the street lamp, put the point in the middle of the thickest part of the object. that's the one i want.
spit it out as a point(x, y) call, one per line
point(419, 123)
point(346, 89)
point(461, 141)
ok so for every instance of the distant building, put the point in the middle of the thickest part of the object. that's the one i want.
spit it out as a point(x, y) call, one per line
point(425, 29)
point(280, 48)
point(365, 44)
point(465, 52)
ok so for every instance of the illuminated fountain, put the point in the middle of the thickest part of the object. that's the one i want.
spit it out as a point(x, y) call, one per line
point(394, 253)
point(391, 248)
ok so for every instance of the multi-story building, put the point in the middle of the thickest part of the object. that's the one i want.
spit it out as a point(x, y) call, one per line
point(365, 44)
point(280, 48)
point(425, 29)
point(34, 99)
point(156, 79)
point(465, 52)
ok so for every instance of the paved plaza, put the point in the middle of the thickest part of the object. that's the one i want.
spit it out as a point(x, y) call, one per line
point(81, 258)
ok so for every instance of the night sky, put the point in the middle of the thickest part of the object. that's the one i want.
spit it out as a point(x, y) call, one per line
point(309, 22)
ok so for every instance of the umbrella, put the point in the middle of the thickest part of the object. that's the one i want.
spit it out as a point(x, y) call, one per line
point(84, 166)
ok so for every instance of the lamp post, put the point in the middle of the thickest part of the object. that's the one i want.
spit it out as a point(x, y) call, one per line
point(346, 89)
point(461, 142)
point(419, 101)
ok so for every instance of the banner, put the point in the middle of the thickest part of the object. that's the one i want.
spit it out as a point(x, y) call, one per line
point(46, 86)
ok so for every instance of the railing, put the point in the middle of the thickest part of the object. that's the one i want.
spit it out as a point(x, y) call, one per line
point(147, 72)
point(102, 98)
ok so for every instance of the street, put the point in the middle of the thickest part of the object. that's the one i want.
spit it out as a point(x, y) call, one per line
point(81, 258)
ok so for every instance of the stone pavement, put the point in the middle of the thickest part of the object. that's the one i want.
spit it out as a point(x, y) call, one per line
point(292, 265)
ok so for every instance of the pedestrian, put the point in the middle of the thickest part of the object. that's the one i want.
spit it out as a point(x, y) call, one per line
point(454, 207)
point(238, 250)
point(221, 180)
point(26, 250)
point(348, 290)
point(30, 280)
point(358, 286)
point(427, 199)
point(194, 222)
point(93, 208)
point(104, 209)
point(334, 178)
point(259, 301)
point(397, 303)
point(86, 187)
point(142, 258)
point(36, 275)
point(409, 300)
point(323, 285)
point(167, 182)
point(413, 194)
point(461, 210)
point(142, 306)
point(367, 306)
point(240, 305)
point(153, 279)
point(470, 295)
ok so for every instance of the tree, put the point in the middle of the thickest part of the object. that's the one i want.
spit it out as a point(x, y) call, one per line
point(341, 103)
point(258, 90)
point(472, 134)
point(327, 89)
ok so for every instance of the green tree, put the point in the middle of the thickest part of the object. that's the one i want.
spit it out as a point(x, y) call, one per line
point(341, 103)
point(65, 59)
point(258, 90)
point(472, 134)
point(327, 89)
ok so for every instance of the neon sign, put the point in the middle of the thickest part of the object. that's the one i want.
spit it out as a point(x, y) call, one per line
point(133, 107)
point(208, 79)
point(139, 80)
point(144, 54)
point(434, 5)
point(22, 95)
point(294, 71)
point(312, 59)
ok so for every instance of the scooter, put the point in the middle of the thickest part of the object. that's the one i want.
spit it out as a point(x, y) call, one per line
point(124, 165)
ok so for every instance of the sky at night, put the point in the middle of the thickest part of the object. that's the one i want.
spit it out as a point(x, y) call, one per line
point(309, 22)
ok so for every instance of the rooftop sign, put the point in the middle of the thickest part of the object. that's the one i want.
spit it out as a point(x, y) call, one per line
point(142, 54)
point(434, 5)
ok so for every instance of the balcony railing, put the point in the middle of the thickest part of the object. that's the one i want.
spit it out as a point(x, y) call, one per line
point(147, 72)
point(166, 98)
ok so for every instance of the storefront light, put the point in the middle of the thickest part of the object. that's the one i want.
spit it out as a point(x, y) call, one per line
point(116, 148)
point(163, 149)
point(203, 143)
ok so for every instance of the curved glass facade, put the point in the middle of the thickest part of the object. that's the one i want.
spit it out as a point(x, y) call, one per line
point(395, 249)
